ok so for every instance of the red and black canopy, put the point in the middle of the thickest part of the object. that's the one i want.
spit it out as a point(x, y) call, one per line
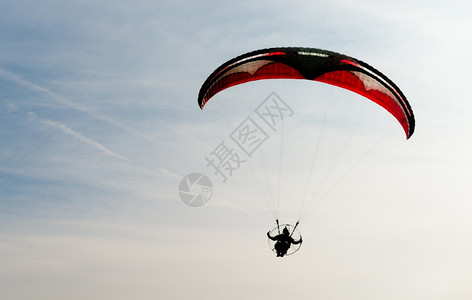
point(312, 64)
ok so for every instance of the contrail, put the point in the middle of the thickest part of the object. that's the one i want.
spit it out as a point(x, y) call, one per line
point(169, 173)
point(64, 101)
point(67, 130)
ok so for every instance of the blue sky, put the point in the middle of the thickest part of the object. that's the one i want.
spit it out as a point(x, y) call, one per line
point(99, 122)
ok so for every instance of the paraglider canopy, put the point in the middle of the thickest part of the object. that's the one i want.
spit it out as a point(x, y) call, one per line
point(312, 64)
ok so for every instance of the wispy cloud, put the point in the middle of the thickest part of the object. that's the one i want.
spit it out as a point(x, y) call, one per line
point(78, 136)
point(66, 102)
point(169, 173)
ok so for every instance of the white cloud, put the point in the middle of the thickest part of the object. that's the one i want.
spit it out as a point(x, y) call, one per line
point(59, 99)
point(68, 131)
point(170, 174)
